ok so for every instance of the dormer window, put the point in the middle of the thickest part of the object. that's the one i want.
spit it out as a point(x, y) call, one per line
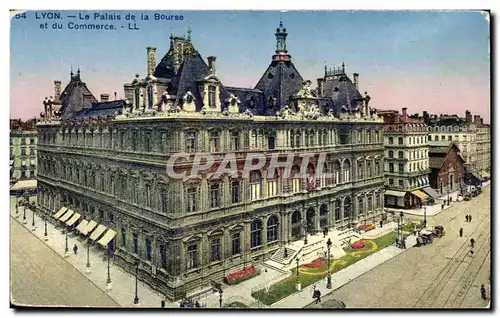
point(292, 75)
point(272, 102)
point(137, 96)
point(251, 103)
point(150, 96)
point(189, 99)
point(233, 102)
point(270, 75)
point(211, 96)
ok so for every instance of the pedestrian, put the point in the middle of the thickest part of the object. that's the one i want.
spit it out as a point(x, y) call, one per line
point(285, 254)
point(472, 241)
point(404, 243)
point(483, 292)
point(461, 232)
point(442, 206)
point(381, 223)
point(470, 218)
point(466, 218)
point(75, 249)
point(472, 253)
point(318, 296)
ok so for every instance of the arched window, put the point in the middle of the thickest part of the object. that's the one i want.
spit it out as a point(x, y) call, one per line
point(296, 224)
point(338, 215)
point(255, 233)
point(361, 170)
point(324, 173)
point(370, 203)
point(391, 140)
point(336, 172)
point(369, 168)
point(361, 208)
point(272, 183)
point(346, 169)
point(255, 185)
point(272, 229)
point(296, 180)
point(323, 216)
point(347, 208)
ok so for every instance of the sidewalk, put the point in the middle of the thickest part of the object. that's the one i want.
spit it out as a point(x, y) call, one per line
point(123, 284)
point(344, 276)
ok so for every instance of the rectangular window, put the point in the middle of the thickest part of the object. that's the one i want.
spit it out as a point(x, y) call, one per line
point(391, 181)
point(211, 96)
point(124, 238)
point(235, 141)
point(401, 167)
point(391, 167)
point(214, 141)
point(111, 218)
point(443, 137)
point(436, 138)
point(449, 138)
point(190, 141)
point(135, 247)
point(235, 191)
point(134, 140)
point(214, 195)
point(23, 151)
point(192, 252)
point(147, 195)
point(147, 144)
point(215, 250)
point(164, 200)
point(271, 142)
point(235, 250)
point(163, 256)
point(148, 249)
point(400, 140)
point(401, 183)
point(191, 199)
point(32, 141)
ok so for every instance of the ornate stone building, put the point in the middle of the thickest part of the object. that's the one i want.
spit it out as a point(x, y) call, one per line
point(108, 161)
point(23, 147)
point(406, 160)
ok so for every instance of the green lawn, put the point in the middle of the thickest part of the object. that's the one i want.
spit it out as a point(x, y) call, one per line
point(286, 287)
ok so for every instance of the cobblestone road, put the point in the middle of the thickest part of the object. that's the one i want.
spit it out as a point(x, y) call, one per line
point(439, 275)
point(40, 277)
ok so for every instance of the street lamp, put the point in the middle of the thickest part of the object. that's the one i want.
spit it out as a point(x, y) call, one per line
point(87, 267)
point(108, 281)
point(297, 284)
point(24, 214)
point(136, 298)
point(401, 215)
point(17, 210)
point(329, 279)
point(305, 235)
point(33, 221)
point(425, 216)
point(220, 296)
point(449, 198)
point(66, 250)
point(45, 234)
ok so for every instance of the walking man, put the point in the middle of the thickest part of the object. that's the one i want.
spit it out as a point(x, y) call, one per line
point(381, 223)
point(483, 292)
point(404, 243)
point(75, 249)
point(467, 218)
point(470, 218)
point(461, 232)
point(472, 243)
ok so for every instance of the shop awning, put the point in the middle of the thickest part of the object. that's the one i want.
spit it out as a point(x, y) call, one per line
point(395, 193)
point(97, 232)
point(66, 216)
point(24, 184)
point(430, 191)
point(73, 219)
point(476, 175)
point(420, 194)
point(81, 227)
point(60, 212)
point(89, 227)
point(107, 237)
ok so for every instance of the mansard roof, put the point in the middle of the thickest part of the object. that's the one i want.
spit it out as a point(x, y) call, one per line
point(72, 100)
point(342, 91)
point(100, 109)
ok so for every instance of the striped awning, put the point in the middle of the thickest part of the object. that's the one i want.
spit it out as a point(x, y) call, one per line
point(73, 219)
point(60, 212)
point(97, 232)
point(107, 237)
point(420, 194)
point(430, 191)
point(66, 216)
point(81, 227)
point(90, 226)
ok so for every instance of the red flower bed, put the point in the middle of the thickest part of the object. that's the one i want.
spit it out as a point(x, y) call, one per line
point(366, 227)
point(232, 278)
point(358, 244)
point(315, 264)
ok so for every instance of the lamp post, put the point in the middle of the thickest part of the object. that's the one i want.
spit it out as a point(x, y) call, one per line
point(17, 210)
point(108, 280)
point(45, 234)
point(87, 267)
point(220, 296)
point(24, 214)
point(136, 298)
point(66, 250)
point(33, 220)
point(305, 235)
point(449, 198)
point(425, 216)
point(329, 279)
point(297, 283)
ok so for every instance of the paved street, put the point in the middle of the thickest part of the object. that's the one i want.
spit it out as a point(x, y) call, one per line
point(40, 277)
point(439, 275)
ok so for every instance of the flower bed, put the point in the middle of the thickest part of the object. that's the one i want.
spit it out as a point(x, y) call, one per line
point(317, 263)
point(366, 227)
point(240, 276)
point(358, 244)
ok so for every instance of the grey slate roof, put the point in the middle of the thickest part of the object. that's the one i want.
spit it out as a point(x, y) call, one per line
point(72, 100)
point(101, 109)
point(246, 97)
point(347, 95)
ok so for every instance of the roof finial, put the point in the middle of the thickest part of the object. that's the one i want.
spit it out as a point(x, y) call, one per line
point(343, 67)
point(189, 34)
point(71, 70)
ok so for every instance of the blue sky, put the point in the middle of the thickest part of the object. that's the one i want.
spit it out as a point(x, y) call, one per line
point(423, 60)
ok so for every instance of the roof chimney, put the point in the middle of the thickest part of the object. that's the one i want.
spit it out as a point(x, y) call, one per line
point(320, 86)
point(481, 121)
point(87, 100)
point(404, 111)
point(211, 64)
point(468, 117)
point(476, 119)
point(356, 80)
point(151, 52)
point(57, 91)
point(104, 97)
